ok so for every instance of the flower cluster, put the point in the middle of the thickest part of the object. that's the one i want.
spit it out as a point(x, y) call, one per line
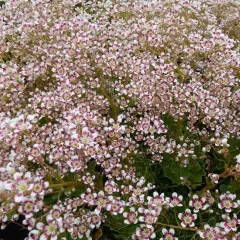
point(120, 115)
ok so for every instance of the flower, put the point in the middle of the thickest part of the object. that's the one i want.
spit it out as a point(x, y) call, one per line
point(101, 201)
point(89, 197)
point(168, 234)
point(210, 233)
point(188, 218)
point(116, 206)
point(54, 214)
point(50, 230)
point(156, 202)
point(131, 216)
point(145, 232)
point(76, 163)
point(21, 183)
point(227, 202)
point(88, 179)
point(150, 216)
point(214, 177)
point(175, 200)
point(88, 137)
point(33, 235)
point(230, 224)
point(30, 222)
point(94, 220)
point(110, 187)
point(39, 187)
point(28, 208)
point(198, 203)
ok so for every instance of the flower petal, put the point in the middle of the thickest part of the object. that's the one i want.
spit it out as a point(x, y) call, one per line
point(164, 231)
point(19, 198)
point(43, 237)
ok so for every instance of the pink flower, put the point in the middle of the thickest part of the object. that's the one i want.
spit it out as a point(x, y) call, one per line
point(21, 183)
point(168, 234)
point(101, 201)
point(188, 218)
point(89, 197)
point(145, 232)
point(198, 203)
point(116, 206)
point(88, 137)
point(227, 202)
point(39, 187)
point(50, 230)
point(88, 179)
point(54, 214)
point(28, 208)
point(34, 152)
point(156, 202)
point(175, 200)
point(230, 224)
point(30, 222)
point(150, 216)
point(214, 177)
point(210, 233)
point(94, 220)
point(76, 163)
point(34, 235)
point(131, 216)
point(110, 187)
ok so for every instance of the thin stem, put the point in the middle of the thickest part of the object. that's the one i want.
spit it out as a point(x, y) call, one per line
point(113, 105)
point(64, 184)
point(175, 215)
point(193, 237)
point(228, 172)
point(19, 224)
point(178, 227)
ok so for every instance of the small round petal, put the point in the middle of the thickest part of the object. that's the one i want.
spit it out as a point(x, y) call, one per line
point(43, 237)
point(164, 231)
point(183, 224)
point(19, 198)
point(180, 216)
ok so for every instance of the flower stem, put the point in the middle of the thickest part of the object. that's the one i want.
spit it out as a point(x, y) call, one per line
point(178, 227)
point(64, 184)
point(113, 105)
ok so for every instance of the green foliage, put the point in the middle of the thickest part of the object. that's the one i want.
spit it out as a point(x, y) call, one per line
point(121, 230)
point(193, 172)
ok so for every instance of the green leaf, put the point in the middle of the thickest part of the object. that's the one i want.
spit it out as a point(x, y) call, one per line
point(196, 172)
point(126, 232)
point(194, 166)
point(183, 172)
point(132, 103)
point(195, 178)
point(212, 222)
point(181, 238)
point(51, 198)
point(223, 188)
point(78, 191)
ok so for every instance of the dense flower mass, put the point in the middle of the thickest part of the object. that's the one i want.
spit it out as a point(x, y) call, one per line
point(120, 119)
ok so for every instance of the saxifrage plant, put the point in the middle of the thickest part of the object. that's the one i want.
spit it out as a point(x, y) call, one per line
point(120, 119)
